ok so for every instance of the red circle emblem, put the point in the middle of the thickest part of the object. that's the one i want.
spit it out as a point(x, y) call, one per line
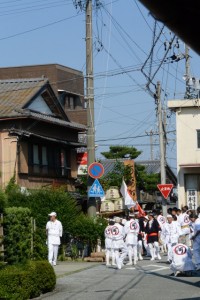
point(115, 230)
point(180, 250)
point(133, 225)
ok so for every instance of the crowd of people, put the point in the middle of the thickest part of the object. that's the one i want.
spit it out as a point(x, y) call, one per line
point(177, 234)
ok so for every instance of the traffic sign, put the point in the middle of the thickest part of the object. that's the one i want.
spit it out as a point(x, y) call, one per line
point(96, 170)
point(96, 190)
point(165, 189)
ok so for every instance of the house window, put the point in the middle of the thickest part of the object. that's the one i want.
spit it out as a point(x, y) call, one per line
point(198, 139)
point(65, 162)
point(36, 162)
point(44, 160)
point(39, 159)
point(71, 103)
point(49, 161)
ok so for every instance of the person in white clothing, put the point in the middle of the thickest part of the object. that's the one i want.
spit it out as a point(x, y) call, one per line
point(171, 232)
point(118, 242)
point(162, 221)
point(184, 222)
point(196, 238)
point(181, 259)
point(108, 243)
point(131, 230)
point(54, 233)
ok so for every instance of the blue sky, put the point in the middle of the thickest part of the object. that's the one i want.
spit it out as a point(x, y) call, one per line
point(53, 31)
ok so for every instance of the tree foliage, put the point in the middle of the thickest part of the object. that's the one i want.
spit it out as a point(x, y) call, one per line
point(114, 178)
point(144, 181)
point(116, 152)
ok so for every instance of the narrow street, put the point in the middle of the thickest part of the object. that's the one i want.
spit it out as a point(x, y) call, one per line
point(147, 280)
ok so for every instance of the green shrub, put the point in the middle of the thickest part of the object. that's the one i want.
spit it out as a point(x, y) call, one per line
point(42, 202)
point(27, 281)
point(17, 231)
point(15, 283)
point(88, 230)
point(3, 201)
point(46, 278)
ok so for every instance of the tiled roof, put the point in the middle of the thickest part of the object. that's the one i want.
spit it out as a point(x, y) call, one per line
point(28, 134)
point(15, 93)
point(151, 166)
point(109, 164)
point(50, 119)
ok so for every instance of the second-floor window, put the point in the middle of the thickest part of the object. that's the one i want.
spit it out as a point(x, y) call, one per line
point(49, 161)
point(198, 138)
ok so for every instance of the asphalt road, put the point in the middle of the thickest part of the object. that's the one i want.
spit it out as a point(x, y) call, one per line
point(147, 280)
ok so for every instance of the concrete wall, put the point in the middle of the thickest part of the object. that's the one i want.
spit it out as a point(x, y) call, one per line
point(8, 158)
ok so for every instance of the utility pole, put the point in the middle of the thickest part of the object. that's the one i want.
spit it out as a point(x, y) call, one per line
point(187, 71)
point(90, 102)
point(162, 144)
point(151, 133)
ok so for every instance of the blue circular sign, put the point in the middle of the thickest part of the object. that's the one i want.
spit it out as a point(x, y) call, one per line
point(96, 170)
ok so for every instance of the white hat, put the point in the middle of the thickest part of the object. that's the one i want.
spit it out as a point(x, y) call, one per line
point(124, 221)
point(169, 216)
point(117, 220)
point(131, 215)
point(53, 213)
point(146, 217)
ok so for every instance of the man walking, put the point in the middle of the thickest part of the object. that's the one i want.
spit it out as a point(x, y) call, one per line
point(108, 243)
point(171, 232)
point(153, 233)
point(54, 233)
point(131, 230)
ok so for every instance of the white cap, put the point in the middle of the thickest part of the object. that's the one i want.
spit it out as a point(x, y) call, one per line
point(146, 217)
point(117, 220)
point(53, 213)
point(169, 216)
point(124, 221)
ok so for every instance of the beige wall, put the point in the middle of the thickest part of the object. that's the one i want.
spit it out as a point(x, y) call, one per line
point(187, 124)
point(8, 156)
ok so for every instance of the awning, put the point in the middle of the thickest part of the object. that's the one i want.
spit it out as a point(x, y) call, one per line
point(190, 166)
point(28, 134)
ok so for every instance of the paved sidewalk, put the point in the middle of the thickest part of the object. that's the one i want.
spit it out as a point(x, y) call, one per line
point(65, 268)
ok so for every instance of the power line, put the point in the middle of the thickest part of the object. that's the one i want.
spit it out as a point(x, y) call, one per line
point(130, 137)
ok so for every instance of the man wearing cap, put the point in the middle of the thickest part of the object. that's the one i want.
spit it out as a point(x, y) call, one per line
point(54, 233)
point(171, 232)
point(153, 233)
point(131, 230)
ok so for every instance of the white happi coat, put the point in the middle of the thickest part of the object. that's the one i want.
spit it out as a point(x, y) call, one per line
point(171, 232)
point(181, 259)
point(108, 237)
point(117, 236)
point(54, 232)
point(184, 222)
point(161, 220)
point(131, 230)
